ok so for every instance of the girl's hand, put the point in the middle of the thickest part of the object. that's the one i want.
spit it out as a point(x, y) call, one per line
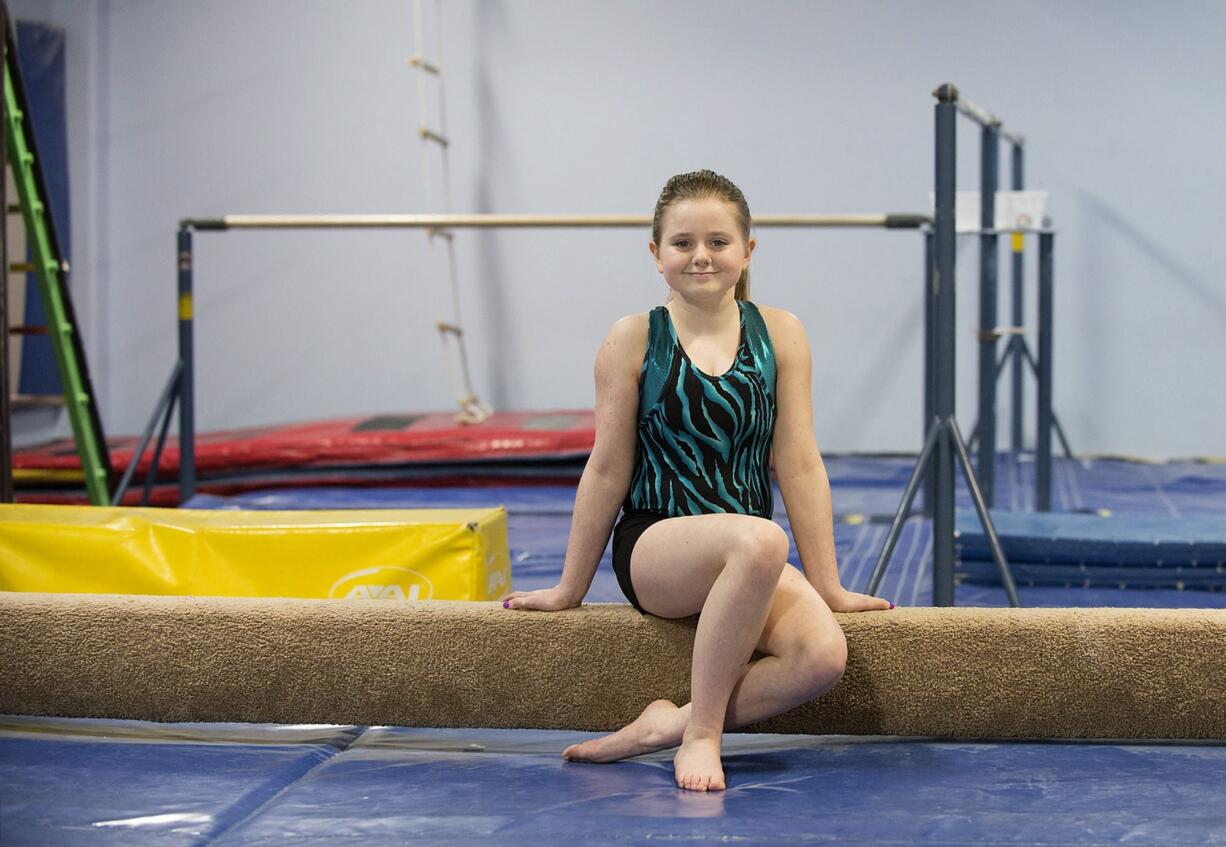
point(842, 600)
point(544, 600)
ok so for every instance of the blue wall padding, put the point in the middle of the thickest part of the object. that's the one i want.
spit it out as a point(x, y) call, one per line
point(40, 51)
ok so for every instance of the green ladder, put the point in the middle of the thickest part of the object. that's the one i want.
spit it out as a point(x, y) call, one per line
point(51, 269)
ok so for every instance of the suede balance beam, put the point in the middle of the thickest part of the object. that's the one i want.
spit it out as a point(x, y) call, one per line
point(950, 672)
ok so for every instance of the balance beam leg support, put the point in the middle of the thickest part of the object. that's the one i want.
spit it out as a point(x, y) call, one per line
point(947, 672)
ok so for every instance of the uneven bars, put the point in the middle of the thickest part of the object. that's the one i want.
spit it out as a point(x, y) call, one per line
point(519, 221)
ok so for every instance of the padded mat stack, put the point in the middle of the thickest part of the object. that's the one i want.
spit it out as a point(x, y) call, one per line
point(425, 449)
point(1091, 551)
point(383, 554)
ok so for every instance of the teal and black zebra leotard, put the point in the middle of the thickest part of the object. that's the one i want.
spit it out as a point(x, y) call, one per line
point(704, 441)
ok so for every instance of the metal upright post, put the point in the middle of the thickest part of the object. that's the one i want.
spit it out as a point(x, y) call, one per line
point(929, 367)
point(944, 443)
point(1019, 316)
point(6, 438)
point(944, 348)
point(1042, 490)
point(187, 422)
point(51, 269)
point(989, 171)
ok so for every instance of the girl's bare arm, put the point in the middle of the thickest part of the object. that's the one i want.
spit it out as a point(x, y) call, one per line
point(606, 477)
point(799, 467)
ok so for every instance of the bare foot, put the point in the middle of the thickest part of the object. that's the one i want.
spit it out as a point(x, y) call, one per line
point(697, 766)
point(656, 728)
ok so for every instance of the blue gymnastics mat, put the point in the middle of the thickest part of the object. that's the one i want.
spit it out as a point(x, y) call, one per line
point(1137, 550)
point(873, 485)
point(1116, 539)
point(89, 782)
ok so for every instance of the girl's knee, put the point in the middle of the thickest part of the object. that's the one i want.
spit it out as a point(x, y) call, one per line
point(836, 656)
point(824, 660)
point(762, 544)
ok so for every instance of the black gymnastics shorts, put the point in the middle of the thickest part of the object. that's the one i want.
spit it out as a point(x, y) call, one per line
point(626, 534)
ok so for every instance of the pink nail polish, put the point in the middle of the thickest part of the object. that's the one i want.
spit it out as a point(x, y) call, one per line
point(891, 605)
point(506, 604)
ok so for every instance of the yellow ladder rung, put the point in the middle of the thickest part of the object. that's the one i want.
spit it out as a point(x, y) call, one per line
point(39, 475)
point(431, 135)
point(472, 410)
point(996, 333)
point(36, 400)
point(31, 267)
point(421, 64)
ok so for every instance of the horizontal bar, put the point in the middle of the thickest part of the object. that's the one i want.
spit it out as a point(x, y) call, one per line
point(978, 114)
point(512, 221)
point(1023, 231)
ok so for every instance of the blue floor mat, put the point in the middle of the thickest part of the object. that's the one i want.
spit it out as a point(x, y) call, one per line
point(68, 782)
point(873, 485)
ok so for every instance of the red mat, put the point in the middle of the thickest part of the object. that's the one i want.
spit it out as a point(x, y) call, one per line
point(433, 438)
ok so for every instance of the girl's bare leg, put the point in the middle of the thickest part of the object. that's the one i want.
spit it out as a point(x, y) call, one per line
point(805, 655)
point(733, 569)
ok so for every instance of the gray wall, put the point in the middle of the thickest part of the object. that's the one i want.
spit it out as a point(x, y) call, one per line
point(196, 109)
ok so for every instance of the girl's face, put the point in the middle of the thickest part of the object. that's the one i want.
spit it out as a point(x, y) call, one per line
point(701, 251)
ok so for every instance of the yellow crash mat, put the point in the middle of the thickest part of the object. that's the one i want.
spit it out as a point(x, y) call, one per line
point(384, 554)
